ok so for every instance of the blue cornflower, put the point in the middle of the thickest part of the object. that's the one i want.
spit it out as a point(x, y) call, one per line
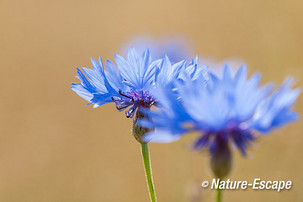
point(133, 83)
point(227, 110)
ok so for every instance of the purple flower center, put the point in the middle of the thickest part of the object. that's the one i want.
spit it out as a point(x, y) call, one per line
point(239, 137)
point(135, 99)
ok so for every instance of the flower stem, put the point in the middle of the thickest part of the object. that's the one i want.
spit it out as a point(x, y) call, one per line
point(219, 194)
point(148, 172)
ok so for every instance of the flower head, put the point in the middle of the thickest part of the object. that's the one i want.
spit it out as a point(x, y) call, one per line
point(132, 83)
point(227, 110)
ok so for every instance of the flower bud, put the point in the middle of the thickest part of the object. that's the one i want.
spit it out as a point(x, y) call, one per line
point(138, 131)
point(221, 159)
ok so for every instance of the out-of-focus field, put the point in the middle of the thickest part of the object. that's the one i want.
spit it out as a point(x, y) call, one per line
point(54, 148)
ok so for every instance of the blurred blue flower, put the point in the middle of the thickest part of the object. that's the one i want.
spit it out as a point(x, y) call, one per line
point(227, 110)
point(133, 83)
point(177, 48)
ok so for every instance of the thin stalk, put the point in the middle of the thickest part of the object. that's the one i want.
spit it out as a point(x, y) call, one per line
point(219, 194)
point(148, 172)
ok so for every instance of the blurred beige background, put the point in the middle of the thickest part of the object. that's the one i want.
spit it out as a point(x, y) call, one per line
point(54, 148)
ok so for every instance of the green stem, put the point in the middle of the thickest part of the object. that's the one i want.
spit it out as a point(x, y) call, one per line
point(148, 172)
point(219, 194)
